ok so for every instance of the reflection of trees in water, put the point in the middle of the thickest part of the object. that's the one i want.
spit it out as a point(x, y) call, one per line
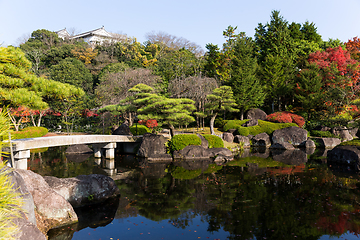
point(55, 163)
point(282, 206)
point(163, 198)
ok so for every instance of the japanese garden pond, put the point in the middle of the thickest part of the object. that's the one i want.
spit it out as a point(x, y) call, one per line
point(263, 199)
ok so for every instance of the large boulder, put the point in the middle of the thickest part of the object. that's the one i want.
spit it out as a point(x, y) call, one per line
point(255, 113)
point(251, 123)
point(153, 147)
point(349, 155)
point(293, 135)
point(192, 152)
point(343, 133)
point(242, 139)
point(328, 142)
point(204, 142)
point(84, 189)
point(229, 137)
point(261, 140)
point(124, 129)
point(26, 222)
point(51, 209)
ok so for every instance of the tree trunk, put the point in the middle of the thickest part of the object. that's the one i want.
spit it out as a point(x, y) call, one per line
point(172, 130)
point(242, 114)
point(212, 120)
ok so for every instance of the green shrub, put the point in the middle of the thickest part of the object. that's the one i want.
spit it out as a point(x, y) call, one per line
point(323, 134)
point(29, 132)
point(180, 141)
point(354, 142)
point(214, 141)
point(263, 126)
point(139, 130)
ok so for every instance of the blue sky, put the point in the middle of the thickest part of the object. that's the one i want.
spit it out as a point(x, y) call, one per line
point(199, 21)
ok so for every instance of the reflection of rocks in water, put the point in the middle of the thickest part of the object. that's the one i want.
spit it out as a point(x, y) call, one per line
point(194, 165)
point(92, 216)
point(62, 233)
point(254, 169)
point(243, 154)
point(308, 151)
point(152, 169)
point(78, 158)
point(289, 157)
point(260, 152)
point(97, 215)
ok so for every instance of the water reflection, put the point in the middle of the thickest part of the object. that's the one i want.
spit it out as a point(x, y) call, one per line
point(253, 197)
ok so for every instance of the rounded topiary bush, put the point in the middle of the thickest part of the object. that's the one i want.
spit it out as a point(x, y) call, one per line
point(214, 141)
point(138, 129)
point(180, 141)
point(29, 132)
point(322, 134)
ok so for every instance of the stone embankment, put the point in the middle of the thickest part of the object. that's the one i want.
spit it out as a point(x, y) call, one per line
point(49, 201)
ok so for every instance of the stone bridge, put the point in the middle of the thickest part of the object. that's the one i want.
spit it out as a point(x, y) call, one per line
point(21, 147)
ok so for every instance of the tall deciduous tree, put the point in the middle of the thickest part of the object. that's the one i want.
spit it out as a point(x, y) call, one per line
point(247, 89)
point(221, 99)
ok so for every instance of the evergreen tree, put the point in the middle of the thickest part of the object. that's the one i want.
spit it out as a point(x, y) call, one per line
point(221, 99)
point(248, 92)
point(310, 91)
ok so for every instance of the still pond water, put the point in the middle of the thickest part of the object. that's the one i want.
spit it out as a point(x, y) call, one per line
point(298, 196)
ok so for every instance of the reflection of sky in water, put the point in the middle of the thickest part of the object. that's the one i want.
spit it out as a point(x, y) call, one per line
point(141, 228)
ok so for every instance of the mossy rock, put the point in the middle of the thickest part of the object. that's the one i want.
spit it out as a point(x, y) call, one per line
point(263, 126)
point(214, 141)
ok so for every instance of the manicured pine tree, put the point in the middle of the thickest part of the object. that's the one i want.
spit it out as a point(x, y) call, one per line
point(221, 99)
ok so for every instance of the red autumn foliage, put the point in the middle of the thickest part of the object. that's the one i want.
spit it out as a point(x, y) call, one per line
point(150, 123)
point(353, 47)
point(286, 117)
point(89, 113)
point(342, 61)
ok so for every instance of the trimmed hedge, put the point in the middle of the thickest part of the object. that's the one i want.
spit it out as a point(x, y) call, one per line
point(214, 141)
point(29, 132)
point(180, 141)
point(264, 126)
point(140, 130)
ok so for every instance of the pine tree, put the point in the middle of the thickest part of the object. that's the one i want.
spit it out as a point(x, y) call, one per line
point(221, 99)
point(248, 92)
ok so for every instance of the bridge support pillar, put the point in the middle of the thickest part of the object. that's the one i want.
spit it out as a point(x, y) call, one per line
point(20, 159)
point(109, 150)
